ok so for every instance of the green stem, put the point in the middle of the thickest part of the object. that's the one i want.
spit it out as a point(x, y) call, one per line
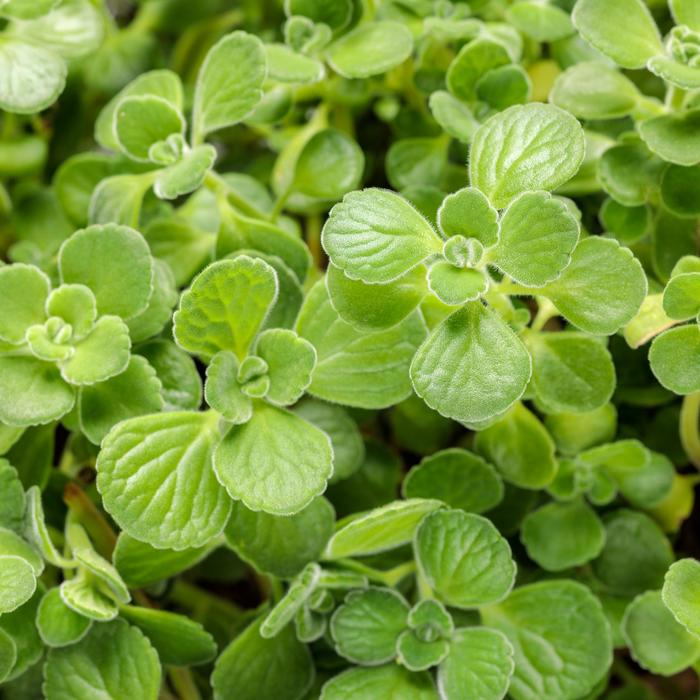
point(216, 184)
point(545, 311)
point(388, 578)
point(279, 204)
point(88, 515)
point(313, 239)
point(690, 436)
point(513, 289)
point(183, 683)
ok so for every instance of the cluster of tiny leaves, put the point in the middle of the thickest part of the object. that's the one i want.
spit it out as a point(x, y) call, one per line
point(349, 349)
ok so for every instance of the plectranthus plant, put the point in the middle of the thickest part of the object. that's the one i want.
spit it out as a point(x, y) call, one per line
point(349, 349)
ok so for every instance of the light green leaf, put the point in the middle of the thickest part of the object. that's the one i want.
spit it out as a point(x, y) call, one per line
point(28, 9)
point(290, 360)
point(344, 434)
point(371, 49)
point(253, 667)
point(23, 290)
point(602, 289)
point(464, 559)
point(520, 448)
point(376, 236)
point(540, 21)
point(76, 305)
point(229, 83)
point(678, 74)
point(538, 234)
point(178, 640)
point(418, 655)
point(288, 66)
point(156, 479)
point(474, 60)
point(373, 307)
point(381, 529)
point(143, 120)
point(674, 359)
point(58, 624)
point(181, 385)
point(455, 118)
point(83, 595)
point(468, 213)
point(529, 147)
point(479, 665)
point(625, 31)
point(416, 162)
point(681, 593)
point(20, 628)
point(686, 12)
point(456, 286)
point(571, 372)
point(222, 390)
point(674, 137)
point(225, 306)
point(636, 553)
point(367, 370)
point(367, 626)
point(157, 314)
point(39, 395)
point(118, 199)
point(114, 262)
point(113, 660)
point(560, 636)
point(277, 462)
point(12, 545)
point(472, 367)
point(159, 83)
point(298, 594)
point(560, 536)
point(390, 681)
point(12, 504)
point(630, 173)
point(101, 355)
point(8, 655)
point(187, 174)
point(281, 545)
point(31, 77)
point(680, 190)
point(458, 478)
point(37, 533)
point(141, 565)
point(657, 642)
point(17, 582)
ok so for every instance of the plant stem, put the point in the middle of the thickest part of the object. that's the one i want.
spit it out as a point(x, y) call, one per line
point(88, 515)
point(690, 437)
point(388, 578)
point(313, 238)
point(183, 683)
point(545, 311)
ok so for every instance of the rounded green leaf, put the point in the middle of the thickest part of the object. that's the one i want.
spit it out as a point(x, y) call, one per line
point(20, 627)
point(17, 582)
point(24, 290)
point(141, 121)
point(455, 286)
point(377, 236)
point(31, 77)
point(520, 447)
point(472, 367)
point(156, 479)
point(674, 359)
point(560, 536)
point(76, 305)
point(371, 49)
point(39, 394)
point(281, 545)
point(113, 660)
point(58, 624)
point(383, 528)
point(680, 189)
point(636, 553)
point(229, 83)
point(187, 174)
point(372, 307)
point(419, 655)
point(624, 31)
point(529, 147)
point(682, 296)
point(390, 681)
point(479, 665)
point(630, 173)
point(627, 224)
point(674, 137)
point(681, 593)
point(602, 289)
point(288, 66)
point(367, 626)
point(458, 478)
point(329, 165)
point(156, 315)
point(225, 307)
point(468, 213)
point(363, 369)
point(222, 390)
point(37, 533)
point(474, 60)
point(276, 462)
point(253, 667)
point(541, 22)
point(114, 262)
point(571, 372)
point(13, 503)
point(464, 558)
point(455, 118)
point(592, 90)
point(12, 545)
point(560, 636)
point(178, 640)
point(8, 655)
point(655, 639)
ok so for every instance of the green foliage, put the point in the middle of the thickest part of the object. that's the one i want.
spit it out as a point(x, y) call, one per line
point(349, 350)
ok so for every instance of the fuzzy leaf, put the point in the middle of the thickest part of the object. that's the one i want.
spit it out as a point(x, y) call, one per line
point(382, 682)
point(58, 624)
point(24, 290)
